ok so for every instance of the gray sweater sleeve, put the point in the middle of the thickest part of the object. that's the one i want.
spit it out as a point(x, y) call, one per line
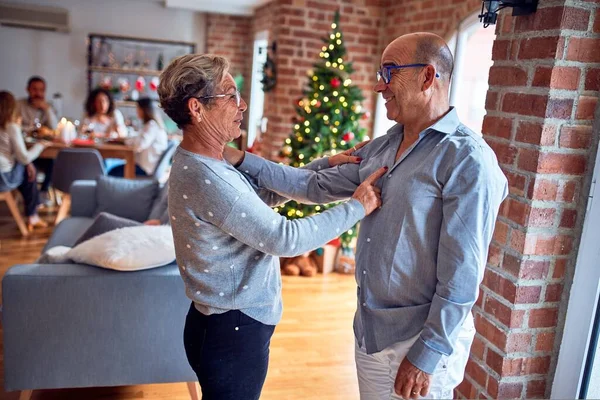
point(243, 215)
point(272, 198)
point(319, 186)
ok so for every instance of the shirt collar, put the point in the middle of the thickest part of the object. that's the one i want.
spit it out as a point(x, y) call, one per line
point(447, 124)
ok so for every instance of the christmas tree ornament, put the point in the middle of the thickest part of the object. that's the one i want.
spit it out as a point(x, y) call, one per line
point(348, 136)
point(124, 85)
point(154, 83)
point(106, 83)
point(140, 84)
point(287, 150)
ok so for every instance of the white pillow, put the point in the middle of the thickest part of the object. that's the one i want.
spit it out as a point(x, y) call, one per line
point(133, 248)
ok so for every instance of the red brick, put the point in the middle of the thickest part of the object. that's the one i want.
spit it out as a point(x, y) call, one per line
point(549, 245)
point(517, 240)
point(583, 49)
point(597, 21)
point(542, 77)
point(567, 191)
point(500, 285)
point(536, 389)
point(559, 108)
point(495, 361)
point(501, 232)
point(536, 365)
point(592, 78)
point(542, 217)
point(525, 104)
point(500, 49)
point(539, 48)
point(576, 19)
point(492, 387)
point(586, 106)
point(535, 133)
point(510, 390)
point(576, 137)
point(498, 310)
point(518, 342)
point(507, 76)
point(568, 219)
point(528, 159)
point(519, 212)
point(494, 255)
point(558, 163)
point(534, 269)
point(490, 331)
point(557, 77)
point(543, 317)
point(543, 189)
point(478, 347)
point(560, 266)
point(476, 373)
point(497, 126)
point(545, 341)
point(466, 389)
point(491, 100)
point(528, 294)
point(505, 153)
point(554, 292)
point(516, 183)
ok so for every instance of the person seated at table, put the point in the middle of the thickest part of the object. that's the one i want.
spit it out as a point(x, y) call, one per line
point(101, 117)
point(36, 110)
point(16, 168)
point(151, 142)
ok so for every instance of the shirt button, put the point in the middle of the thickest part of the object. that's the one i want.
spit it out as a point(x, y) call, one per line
point(364, 272)
point(389, 176)
point(237, 329)
point(364, 304)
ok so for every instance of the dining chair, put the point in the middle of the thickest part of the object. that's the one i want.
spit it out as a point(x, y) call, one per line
point(72, 165)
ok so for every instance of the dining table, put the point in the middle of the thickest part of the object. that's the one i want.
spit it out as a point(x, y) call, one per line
point(108, 149)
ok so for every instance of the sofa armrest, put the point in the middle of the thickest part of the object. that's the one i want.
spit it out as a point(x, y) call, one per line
point(83, 198)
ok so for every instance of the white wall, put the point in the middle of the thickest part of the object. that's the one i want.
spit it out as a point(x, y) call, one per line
point(62, 58)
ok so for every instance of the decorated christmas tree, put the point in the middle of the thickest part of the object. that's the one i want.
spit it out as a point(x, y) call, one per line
point(328, 116)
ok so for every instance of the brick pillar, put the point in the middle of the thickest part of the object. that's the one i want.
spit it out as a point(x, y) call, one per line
point(540, 105)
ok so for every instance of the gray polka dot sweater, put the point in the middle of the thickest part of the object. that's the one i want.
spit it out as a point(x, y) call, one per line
point(228, 240)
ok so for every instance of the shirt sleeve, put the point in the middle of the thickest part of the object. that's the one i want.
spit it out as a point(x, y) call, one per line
point(324, 185)
point(21, 153)
point(247, 218)
point(471, 200)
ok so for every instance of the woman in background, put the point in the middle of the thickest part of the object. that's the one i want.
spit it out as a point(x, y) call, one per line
point(16, 168)
point(101, 117)
point(151, 142)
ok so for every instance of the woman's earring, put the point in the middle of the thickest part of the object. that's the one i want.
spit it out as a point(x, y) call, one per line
point(199, 119)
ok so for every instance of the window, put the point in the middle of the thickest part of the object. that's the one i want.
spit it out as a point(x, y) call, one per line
point(257, 95)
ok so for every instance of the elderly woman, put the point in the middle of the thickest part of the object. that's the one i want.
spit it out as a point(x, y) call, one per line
point(227, 238)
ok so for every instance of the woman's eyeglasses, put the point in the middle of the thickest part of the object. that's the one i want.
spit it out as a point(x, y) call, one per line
point(385, 72)
point(236, 95)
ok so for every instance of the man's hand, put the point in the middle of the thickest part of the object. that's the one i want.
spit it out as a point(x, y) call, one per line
point(40, 104)
point(411, 382)
point(346, 157)
point(31, 173)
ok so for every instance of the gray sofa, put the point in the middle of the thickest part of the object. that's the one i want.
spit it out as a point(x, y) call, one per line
point(72, 325)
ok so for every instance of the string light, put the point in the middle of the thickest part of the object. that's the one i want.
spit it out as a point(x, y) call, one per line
point(301, 156)
point(325, 99)
point(342, 98)
point(321, 54)
point(276, 209)
point(316, 95)
point(333, 26)
point(321, 87)
point(343, 142)
point(350, 232)
point(345, 104)
point(326, 54)
point(337, 123)
point(334, 130)
point(306, 123)
point(315, 78)
point(307, 130)
point(341, 67)
point(347, 82)
point(328, 64)
point(338, 41)
point(288, 141)
point(339, 35)
point(301, 164)
point(317, 139)
point(335, 93)
point(340, 60)
point(333, 152)
point(324, 48)
point(332, 36)
point(318, 208)
point(331, 47)
point(334, 65)
point(296, 126)
point(325, 118)
point(337, 111)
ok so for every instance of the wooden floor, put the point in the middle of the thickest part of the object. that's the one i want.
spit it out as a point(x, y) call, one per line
point(311, 352)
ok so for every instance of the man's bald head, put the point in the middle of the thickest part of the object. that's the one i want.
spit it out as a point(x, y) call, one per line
point(423, 48)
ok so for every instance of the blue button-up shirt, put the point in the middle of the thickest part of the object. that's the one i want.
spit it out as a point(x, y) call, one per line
point(421, 257)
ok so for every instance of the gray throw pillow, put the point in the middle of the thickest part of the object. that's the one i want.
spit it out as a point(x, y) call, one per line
point(105, 222)
point(127, 198)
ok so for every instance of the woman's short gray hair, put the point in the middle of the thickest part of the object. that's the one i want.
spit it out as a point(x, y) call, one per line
point(192, 75)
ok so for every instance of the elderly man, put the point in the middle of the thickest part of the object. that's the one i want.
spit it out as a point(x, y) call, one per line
point(35, 109)
point(421, 257)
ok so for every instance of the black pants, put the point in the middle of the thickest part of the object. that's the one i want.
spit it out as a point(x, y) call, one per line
point(46, 165)
point(229, 353)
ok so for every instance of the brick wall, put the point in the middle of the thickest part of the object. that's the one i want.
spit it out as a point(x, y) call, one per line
point(439, 17)
point(543, 92)
point(230, 36)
